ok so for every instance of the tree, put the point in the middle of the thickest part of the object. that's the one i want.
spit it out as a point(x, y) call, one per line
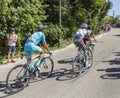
point(23, 15)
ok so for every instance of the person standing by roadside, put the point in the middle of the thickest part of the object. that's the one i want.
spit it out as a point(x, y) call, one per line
point(12, 39)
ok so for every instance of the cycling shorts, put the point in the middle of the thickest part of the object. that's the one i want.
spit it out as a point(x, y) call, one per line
point(79, 43)
point(31, 48)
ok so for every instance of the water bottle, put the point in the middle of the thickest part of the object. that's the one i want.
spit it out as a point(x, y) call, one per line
point(31, 67)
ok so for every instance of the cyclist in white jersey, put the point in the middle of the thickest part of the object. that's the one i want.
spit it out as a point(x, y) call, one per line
point(78, 40)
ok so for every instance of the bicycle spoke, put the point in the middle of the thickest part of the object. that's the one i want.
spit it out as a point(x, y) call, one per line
point(46, 67)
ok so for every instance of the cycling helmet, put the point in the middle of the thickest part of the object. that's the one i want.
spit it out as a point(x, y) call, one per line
point(40, 27)
point(84, 25)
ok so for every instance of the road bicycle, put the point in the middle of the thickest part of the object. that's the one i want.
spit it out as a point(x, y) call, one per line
point(78, 65)
point(19, 76)
point(91, 46)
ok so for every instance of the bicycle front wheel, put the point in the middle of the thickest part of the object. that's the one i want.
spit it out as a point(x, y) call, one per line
point(17, 78)
point(90, 57)
point(46, 67)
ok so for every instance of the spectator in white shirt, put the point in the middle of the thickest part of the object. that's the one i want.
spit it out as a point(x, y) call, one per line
point(12, 39)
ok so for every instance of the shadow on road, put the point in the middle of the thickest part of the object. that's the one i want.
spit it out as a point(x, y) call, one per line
point(116, 61)
point(64, 61)
point(4, 90)
point(118, 35)
point(116, 53)
point(2, 86)
point(112, 73)
point(66, 75)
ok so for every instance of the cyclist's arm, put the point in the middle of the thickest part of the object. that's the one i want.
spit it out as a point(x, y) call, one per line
point(44, 43)
point(93, 36)
point(46, 46)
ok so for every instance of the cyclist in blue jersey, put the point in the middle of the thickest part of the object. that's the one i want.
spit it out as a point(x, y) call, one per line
point(31, 44)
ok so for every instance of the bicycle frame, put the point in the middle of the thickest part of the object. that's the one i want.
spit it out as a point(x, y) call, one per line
point(36, 57)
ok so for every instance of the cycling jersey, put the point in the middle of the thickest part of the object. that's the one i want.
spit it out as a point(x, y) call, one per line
point(36, 38)
point(32, 42)
point(81, 33)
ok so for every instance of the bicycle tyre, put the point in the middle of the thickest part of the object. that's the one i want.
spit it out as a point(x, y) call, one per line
point(90, 57)
point(92, 47)
point(46, 67)
point(16, 81)
point(76, 66)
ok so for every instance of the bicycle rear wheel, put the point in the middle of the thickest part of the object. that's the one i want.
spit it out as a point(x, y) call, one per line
point(77, 65)
point(46, 67)
point(17, 78)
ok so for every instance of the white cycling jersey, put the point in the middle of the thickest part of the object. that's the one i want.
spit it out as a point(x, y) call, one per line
point(82, 32)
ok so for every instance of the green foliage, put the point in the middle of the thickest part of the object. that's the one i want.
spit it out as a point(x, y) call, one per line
point(114, 20)
point(26, 15)
point(54, 34)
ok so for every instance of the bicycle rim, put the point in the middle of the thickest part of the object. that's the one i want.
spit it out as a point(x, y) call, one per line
point(92, 48)
point(46, 67)
point(17, 78)
point(90, 57)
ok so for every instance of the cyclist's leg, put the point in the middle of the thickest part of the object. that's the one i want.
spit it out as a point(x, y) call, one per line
point(37, 49)
point(28, 53)
point(83, 46)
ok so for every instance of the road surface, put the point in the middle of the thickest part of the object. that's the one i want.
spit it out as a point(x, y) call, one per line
point(101, 81)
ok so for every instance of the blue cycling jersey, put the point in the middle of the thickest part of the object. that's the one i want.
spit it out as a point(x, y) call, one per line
point(36, 38)
point(32, 42)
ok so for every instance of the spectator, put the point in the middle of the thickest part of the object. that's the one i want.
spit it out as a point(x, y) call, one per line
point(12, 39)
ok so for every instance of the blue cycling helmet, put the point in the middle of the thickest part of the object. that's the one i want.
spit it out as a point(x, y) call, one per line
point(41, 28)
point(84, 25)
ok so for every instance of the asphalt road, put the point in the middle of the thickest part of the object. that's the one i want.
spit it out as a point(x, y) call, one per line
point(101, 81)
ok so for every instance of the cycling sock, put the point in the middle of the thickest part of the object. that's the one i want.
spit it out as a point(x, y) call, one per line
point(37, 63)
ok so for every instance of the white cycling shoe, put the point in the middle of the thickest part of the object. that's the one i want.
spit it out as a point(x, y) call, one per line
point(87, 65)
